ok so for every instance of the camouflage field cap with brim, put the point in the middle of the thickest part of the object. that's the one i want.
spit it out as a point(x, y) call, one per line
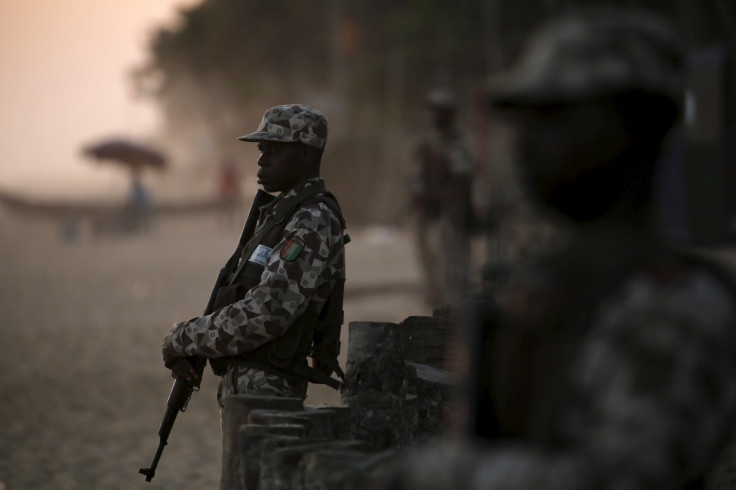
point(291, 123)
point(591, 53)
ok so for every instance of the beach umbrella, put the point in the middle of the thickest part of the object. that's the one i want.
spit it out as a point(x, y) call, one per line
point(127, 153)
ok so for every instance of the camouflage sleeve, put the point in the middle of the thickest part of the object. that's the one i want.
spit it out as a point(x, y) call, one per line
point(654, 390)
point(655, 386)
point(308, 257)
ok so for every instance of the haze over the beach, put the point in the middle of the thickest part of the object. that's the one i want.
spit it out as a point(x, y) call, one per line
point(65, 83)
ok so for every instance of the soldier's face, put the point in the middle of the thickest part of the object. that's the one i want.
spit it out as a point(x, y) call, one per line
point(443, 118)
point(564, 150)
point(281, 166)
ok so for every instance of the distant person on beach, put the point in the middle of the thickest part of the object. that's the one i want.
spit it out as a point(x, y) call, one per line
point(288, 285)
point(229, 190)
point(138, 209)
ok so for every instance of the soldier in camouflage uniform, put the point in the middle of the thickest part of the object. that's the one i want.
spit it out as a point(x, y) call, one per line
point(288, 278)
point(611, 363)
point(442, 198)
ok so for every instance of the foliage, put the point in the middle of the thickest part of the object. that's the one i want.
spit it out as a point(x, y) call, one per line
point(367, 64)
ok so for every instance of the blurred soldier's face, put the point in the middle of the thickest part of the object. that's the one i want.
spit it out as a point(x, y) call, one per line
point(566, 151)
point(443, 118)
point(281, 166)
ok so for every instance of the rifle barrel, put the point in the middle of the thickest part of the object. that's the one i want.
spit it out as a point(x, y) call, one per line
point(163, 433)
point(151, 471)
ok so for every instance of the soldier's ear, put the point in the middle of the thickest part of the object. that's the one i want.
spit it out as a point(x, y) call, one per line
point(307, 154)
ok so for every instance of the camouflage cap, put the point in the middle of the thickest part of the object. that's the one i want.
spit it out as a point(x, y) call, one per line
point(291, 123)
point(591, 53)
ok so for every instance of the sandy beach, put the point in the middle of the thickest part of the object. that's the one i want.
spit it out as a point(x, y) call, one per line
point(83, 386)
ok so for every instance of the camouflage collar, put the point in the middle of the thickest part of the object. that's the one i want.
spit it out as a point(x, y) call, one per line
point(283, 202)
point(298, 189)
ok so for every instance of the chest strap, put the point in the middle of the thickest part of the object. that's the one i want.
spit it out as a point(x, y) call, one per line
point(280, 210)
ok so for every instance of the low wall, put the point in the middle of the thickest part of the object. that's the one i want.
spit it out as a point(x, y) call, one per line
point(396, 395)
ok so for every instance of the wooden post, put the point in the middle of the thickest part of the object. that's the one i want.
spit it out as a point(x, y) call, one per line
point(373, 384)
point(235, 414)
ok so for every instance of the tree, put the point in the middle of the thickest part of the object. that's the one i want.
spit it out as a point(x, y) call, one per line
point(368, 64)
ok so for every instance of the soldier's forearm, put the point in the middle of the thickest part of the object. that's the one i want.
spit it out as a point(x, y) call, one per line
point(230, 331)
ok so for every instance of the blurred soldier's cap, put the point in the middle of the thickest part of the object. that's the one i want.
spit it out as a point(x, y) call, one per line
point(441, 99)
point(592, 53)
point(291, 123)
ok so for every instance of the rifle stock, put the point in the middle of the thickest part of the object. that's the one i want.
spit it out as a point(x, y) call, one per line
point(181, 391)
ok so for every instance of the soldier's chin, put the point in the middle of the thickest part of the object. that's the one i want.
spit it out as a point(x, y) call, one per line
point(265, 185)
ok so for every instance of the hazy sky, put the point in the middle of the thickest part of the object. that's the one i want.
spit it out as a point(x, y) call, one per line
point(64, 83)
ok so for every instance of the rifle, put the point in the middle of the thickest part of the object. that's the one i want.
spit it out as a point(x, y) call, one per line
point(182, 390)
point(178, 400)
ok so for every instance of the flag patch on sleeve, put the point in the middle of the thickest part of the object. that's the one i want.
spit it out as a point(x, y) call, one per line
point(292, 249)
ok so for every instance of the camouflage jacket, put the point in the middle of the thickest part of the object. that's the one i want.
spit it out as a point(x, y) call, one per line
point(299, 275)
point(446, 166)
point(451, 151)
point(648, 402)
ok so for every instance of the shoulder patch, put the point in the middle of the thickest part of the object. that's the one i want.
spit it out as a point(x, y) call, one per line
point(292, 249)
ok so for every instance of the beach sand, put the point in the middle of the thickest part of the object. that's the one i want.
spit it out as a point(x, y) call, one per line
point(83, 386)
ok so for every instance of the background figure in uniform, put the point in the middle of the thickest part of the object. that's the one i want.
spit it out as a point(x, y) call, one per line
point(610, 364)
point(443, 201)
point(263, 324)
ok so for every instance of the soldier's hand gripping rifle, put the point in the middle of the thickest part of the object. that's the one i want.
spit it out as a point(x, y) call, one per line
point(182, 389)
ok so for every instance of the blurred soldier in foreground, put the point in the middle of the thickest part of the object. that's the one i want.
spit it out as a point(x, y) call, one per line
point(442, 198)
point(612, 362)
point(275, 301)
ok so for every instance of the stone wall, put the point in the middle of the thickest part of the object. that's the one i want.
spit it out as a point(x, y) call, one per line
point(396, 395)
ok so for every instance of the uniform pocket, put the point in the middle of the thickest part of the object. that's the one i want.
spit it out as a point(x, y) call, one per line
point(282, 350)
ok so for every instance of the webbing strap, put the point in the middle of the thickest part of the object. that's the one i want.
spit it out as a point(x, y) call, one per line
point(282, 209)
point(328, 360)
point(317, 376)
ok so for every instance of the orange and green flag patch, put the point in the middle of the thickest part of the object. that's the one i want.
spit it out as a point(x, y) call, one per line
point(292, 249)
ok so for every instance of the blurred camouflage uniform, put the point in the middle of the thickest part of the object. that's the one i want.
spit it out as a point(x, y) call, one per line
point(611, 363)
point(442, 197)
point(294, 277)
